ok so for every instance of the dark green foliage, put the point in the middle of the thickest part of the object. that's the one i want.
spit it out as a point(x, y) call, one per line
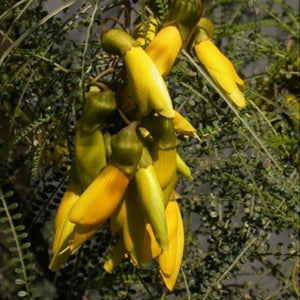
point(241, 211)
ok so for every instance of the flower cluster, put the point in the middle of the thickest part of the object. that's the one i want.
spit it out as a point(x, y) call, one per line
point(129, 175)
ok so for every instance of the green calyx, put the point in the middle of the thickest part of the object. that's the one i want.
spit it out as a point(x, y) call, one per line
point(185, 14)
point(97, 107)
point(126, 149)
point(117, 41)
point(207, 25)
point(162, 131)
point(204, 31)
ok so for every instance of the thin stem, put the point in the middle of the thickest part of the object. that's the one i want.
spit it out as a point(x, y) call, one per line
point(86, 44)
point(188, 293)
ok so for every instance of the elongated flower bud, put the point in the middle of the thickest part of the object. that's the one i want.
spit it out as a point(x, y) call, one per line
point(170, 260)
point(164, 150)
point(219, 67)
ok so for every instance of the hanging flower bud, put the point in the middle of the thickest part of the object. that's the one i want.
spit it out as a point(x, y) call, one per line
point(149, 89)
point(90, 155)
point(219, 67)
point(170, 260)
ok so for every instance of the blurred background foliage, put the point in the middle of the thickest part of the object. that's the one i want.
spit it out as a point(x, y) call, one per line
point(241, 212)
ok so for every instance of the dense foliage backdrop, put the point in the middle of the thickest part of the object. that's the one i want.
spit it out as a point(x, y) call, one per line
point(241, 212)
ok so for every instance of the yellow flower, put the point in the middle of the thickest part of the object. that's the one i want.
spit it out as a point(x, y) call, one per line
point(170, 260)
point(222, 71)
point(149, 88)
point(97, 203)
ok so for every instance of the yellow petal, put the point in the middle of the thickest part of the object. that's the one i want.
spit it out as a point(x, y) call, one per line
point(238, 98)
point(164, 48)
point(70, 196)
point(172, 215)
point(101, 198)
point(81, 233)
point(182, 125)
point(58, 259)
point(61, 251)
